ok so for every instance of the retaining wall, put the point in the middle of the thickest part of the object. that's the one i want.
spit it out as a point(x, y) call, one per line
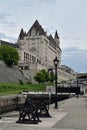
point(11, 103)
point(14, 102)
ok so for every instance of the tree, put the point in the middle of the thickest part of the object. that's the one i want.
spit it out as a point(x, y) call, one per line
point(42, 76)
point(46, 76)
point(38, 77)
point(9, 55)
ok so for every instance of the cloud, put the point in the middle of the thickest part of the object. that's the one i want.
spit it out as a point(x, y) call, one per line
point(3, 16)
point(71, 38)
point(76, 42)
point(7, 38)
point(2, 35)
point(36, 2)
point(4, 19)
point(75, 58)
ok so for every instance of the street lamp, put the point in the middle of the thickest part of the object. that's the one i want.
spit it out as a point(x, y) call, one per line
point(56, 61)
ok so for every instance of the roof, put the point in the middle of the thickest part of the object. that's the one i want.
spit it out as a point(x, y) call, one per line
point(52, 41)
point(38, 28)
point(56, 35)
point(22, 34)
point(8, 43)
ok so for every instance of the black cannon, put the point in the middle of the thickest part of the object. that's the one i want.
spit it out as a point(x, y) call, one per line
point(28, 113)
point(41, 106)
point(32, 109)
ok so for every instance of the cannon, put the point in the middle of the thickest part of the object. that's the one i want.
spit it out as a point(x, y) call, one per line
point(28, 113)
point(41, 106)
point(32, 110)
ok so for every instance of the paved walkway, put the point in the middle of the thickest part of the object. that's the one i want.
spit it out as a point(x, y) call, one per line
point(71, 115)
point(76, 117)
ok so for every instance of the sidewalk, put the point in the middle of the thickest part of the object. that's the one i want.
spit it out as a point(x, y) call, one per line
point(71, 115)
point(76, 117)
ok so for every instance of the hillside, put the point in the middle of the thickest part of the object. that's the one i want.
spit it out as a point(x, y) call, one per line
point(12, 75)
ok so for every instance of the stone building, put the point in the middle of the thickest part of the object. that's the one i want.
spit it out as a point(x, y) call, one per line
point(37, 51)
point(36, 46)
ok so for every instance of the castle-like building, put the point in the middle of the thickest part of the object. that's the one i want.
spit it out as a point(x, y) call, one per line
point(37, 51)
point(37, 46)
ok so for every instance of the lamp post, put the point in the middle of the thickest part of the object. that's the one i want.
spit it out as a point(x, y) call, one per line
point(56, 61)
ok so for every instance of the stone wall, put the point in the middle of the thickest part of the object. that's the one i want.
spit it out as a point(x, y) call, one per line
point(10, 103)
point(14, 102)
point(11, 75)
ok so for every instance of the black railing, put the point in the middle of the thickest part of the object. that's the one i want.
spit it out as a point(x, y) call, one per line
point(75, 90)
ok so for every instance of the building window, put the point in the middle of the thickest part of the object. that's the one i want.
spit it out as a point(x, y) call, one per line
point(26, 56)
point(33, 43)
point(33, 48)
point(39, 61)
point(26, 67)
point(30, 57)
point(33, 59)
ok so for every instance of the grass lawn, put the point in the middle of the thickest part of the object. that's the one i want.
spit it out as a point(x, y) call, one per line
point(11, 88)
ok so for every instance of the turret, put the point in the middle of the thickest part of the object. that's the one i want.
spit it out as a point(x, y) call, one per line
point(56, 38)
point(22, 34)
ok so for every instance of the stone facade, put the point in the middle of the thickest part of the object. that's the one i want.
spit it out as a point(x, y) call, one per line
point(66, 73)
point(37, 46)
point(37, 51)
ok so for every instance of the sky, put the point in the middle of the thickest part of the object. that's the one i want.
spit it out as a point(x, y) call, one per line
point(68, 17)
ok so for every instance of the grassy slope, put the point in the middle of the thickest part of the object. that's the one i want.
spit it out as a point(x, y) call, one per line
point(10, 88)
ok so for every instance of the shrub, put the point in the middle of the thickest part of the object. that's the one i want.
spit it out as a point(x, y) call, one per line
point(42, 76)
point(21, 82)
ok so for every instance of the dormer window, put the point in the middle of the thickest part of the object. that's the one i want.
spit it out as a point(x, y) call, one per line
point(33, 33)
point(37, 32)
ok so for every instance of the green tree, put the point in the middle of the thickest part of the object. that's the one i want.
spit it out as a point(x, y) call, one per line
point(9, 55)
point(42, 76)
point(46, 76)
point(38, 77)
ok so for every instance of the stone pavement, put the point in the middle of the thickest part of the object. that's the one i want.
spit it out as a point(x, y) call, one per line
point(71, 115)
